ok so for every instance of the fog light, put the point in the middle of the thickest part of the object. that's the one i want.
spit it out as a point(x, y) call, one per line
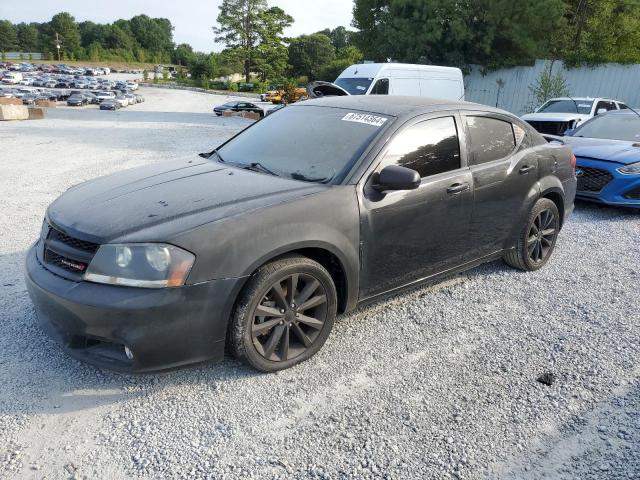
point(128, 353)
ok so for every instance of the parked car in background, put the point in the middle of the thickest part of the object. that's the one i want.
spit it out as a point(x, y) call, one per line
point(394, 79)
point(12, 78)
point(110, 104)
point(275, 109)
point(607, 148)
point(560, 114)
point(105, 96)
point(358, 199)
point(77, 100)
point(238, 106)
point(122, 101)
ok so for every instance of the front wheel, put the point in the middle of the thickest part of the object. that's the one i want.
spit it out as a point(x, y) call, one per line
point(538, 238)
point(284, 315)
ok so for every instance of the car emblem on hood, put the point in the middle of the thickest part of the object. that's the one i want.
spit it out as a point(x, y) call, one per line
point(579, 172)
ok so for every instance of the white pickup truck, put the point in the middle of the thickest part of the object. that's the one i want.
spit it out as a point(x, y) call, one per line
point(558, 115)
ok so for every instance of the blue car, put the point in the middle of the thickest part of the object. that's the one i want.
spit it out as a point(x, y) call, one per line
point(607, 150)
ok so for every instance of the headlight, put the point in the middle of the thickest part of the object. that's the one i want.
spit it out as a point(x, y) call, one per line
point(633, 169)
point(146, 265)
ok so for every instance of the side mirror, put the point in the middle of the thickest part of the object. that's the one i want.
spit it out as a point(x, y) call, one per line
point(569, 132)
point(601, 111)
point(395, 177)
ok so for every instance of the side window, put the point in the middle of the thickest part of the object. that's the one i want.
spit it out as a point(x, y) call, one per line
point(606, 105)
point(381, 87)
point(429, 147)
point(491, 139)
point(623, 106)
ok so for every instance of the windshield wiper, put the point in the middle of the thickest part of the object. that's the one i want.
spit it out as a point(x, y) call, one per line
point(258, 167)
point(208, 155)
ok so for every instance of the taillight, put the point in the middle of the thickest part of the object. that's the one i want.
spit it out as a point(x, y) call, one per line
point(573, 164)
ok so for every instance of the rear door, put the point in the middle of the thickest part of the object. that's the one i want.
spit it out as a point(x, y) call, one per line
point(505, 173)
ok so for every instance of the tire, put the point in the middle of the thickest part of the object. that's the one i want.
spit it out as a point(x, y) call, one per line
point(285, 336)
point(534, 246)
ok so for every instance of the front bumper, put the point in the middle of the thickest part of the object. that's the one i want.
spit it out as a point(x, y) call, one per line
point(163, 328)
point(620, 191)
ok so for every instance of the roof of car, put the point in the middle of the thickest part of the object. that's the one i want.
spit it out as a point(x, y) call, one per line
point(584, 99)
point(396, 106)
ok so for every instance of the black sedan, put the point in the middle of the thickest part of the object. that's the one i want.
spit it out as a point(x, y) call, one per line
point(238, 107)
point(110, 104)
point(258, 245)
point(77, 100)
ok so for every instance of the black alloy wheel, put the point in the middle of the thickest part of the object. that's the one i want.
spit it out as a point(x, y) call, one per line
point(542, 236)
point(289, 318)
point(284, 315)
point(538, 238)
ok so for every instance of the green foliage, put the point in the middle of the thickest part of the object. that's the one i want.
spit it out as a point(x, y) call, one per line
point(27, 37)
point(233, 87)
point(145, 75)
point(310, 54)
point(488, 32)
point(253, 34)
point(165, 74)
point(8, 36)
point(548, 85)
point(64, 24)
point(3, 56)
point(340, 37)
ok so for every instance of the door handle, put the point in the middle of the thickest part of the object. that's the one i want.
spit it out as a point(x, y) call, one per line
point(457, 188)
point(526, 169)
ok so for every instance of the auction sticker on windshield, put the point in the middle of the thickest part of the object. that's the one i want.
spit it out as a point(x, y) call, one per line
point(365, 118)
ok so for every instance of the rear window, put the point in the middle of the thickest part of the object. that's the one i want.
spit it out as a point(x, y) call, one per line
point(567, 106)
point(491, 139)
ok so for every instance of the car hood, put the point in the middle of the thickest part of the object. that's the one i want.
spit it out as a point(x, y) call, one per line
point(603, 149)
point(555, 117)
point(158, 201)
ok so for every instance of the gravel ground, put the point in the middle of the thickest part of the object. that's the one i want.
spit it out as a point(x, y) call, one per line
point(436, 383)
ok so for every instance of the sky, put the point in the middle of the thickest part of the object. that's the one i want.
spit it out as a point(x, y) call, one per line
point(192, 19)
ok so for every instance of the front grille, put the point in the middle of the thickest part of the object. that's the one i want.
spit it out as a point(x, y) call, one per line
point(72, 242)
point(550, 128)
point(65, 263)
point(592, 180)
point(65, 255)
point(633, 194)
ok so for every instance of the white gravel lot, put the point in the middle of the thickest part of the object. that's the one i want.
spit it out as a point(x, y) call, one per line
point(436, 383)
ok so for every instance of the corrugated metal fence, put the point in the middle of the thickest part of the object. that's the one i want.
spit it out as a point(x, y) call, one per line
point(621, 82)
point(25, 56)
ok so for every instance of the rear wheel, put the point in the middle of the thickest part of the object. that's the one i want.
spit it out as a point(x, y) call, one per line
point(538, 238)
point(284, 315)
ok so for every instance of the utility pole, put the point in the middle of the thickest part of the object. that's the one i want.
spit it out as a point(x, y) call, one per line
point(58, 45)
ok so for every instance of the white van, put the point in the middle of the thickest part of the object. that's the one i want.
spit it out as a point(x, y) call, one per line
point(432, 81)
point(12, 78)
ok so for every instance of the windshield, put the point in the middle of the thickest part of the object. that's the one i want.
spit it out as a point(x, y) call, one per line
point(313, 144)
point(355, 86)
point(616, 126)
point(567, 106)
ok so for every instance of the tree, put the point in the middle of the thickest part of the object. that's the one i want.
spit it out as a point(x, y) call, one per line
point(69, 34)
point(340, 37)
point(27, 35)
point(548, 85)
point(345, 57)
point(271, 61)
point(183, 54)
point(8, 37)
point(310, 54)
point(489, 32)
point(239, 23)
